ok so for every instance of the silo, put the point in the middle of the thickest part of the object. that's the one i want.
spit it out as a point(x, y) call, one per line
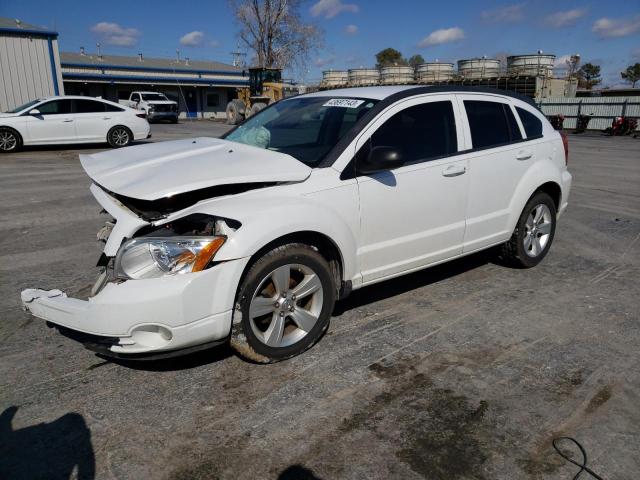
point(334, 78)
point(537, 65)
point(479, 68)
point(396, 74)
point(434, 72)
point(364, 76)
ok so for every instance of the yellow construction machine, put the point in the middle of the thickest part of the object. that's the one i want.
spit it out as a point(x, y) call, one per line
point(265, 87)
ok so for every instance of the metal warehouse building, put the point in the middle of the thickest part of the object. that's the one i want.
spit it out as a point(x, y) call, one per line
point(29, 63)
point(201, 88)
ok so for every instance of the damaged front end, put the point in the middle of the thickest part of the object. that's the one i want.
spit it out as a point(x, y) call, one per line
point(147, 301)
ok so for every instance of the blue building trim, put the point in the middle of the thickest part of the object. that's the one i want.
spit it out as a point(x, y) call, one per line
point(150, 69)
point(159, 80)
point(54, 72)
point(27, 32)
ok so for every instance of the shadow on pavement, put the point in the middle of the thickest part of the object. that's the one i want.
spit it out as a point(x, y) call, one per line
point(55, 450)
point(185, 362)
point(412, 281)
point(297, 472)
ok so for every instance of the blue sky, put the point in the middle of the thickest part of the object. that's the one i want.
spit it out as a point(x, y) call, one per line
point(605, 33)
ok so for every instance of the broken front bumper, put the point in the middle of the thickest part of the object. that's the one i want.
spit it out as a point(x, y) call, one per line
point(147, 316)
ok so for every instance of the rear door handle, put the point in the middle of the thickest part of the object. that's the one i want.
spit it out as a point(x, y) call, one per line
point(453, 171)
point(67, 120)
point(524, 155)
point(106, 118)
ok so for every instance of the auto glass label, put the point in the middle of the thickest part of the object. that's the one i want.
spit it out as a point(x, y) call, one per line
point(344, 102)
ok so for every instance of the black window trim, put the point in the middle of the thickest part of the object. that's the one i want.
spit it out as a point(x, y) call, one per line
point(528, 138)
point(350, 170)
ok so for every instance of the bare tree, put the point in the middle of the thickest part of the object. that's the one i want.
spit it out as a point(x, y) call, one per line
point(275, 32)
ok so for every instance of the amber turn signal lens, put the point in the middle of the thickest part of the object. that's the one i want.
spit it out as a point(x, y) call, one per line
point(207, 253)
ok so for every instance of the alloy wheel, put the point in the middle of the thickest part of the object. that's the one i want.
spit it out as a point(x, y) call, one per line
point(537, 230)
point(8, 141)
point(120, 137)
point(286, 305)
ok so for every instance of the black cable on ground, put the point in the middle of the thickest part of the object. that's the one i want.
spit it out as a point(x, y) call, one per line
point(583, 465)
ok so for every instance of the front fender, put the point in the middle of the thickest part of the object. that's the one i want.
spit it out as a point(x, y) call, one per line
point(267, 219)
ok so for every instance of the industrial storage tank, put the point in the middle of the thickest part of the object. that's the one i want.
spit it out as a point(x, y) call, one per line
point(364, 76)
point(396, 74)
point(334, 78)
point(537, 65)
point(479, 68)
point(434, 72)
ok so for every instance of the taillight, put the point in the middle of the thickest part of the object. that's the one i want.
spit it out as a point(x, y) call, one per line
point(565, 143)
point(141, 115)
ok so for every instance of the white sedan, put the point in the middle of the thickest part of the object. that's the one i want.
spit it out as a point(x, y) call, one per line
point(69, 119)
point(252, 238)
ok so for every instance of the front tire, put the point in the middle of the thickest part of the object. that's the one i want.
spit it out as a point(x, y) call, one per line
point(10, 140)
point(534, 233)
point(283, 305)
point(119, 136)
point(235, 112)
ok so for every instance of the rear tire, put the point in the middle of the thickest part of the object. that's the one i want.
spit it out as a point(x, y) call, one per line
point(10, 140)
point(119, 136)
point(235, 109)
point(283, 305)
point(534, 233)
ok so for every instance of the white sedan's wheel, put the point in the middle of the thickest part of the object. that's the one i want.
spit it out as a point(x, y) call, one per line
point(119, 136)
point(9, 140)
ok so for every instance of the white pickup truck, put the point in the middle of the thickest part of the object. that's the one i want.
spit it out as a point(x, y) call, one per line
point(156, 105)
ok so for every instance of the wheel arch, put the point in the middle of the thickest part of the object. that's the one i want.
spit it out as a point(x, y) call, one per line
point(321, 242)
point(16, 131)
point(542, 176)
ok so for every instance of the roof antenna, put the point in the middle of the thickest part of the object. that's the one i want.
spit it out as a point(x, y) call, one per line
point(177, 56)
point(99, 51)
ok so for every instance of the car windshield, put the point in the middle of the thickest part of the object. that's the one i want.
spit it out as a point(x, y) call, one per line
point(23, 107)
point(305, 128)
point(153, 96)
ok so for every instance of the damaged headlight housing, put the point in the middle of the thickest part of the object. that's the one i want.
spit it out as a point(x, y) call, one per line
point(152, 257)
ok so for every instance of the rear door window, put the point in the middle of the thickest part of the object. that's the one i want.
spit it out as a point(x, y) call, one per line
point(88, 106)
point(532, 124)
point(422, 132)
point(492, 124)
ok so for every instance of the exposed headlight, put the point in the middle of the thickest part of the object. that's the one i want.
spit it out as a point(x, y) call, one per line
point(153, 257)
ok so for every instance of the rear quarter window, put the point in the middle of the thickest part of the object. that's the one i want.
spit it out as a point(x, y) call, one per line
point(492, 123)
point(532, 124)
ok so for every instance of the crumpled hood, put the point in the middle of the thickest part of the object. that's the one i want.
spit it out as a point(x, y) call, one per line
point(163, 169)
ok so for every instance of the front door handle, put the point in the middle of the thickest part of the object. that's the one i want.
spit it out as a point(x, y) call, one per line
point(453, 171)
point(106, 118)
point(67, 120)
point(524, 155)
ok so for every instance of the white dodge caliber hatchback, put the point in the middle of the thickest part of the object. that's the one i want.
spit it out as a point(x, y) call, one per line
point(252, 238)
point(70, 119)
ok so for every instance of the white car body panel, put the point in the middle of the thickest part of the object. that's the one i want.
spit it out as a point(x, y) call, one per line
point(185, 165)
point(384, 224)
point(72, 128)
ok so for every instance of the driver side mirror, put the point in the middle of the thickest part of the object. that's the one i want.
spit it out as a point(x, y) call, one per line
point(34, 112)
point(380, 159)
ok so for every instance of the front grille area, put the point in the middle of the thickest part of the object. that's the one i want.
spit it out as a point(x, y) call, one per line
point(163, 108)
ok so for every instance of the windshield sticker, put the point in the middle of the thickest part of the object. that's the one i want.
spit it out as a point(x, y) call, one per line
point(344, 102)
